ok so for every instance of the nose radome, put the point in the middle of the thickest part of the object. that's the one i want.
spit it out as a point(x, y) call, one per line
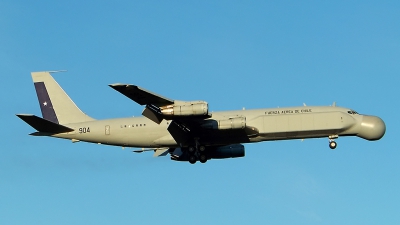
point(372, 128)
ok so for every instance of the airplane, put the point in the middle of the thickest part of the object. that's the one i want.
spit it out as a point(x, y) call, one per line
point(187, 130)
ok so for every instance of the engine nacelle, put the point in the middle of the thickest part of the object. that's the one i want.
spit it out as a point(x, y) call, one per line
point(229, 151)
point(194, 108)
point(231, 123)
point(224, 152)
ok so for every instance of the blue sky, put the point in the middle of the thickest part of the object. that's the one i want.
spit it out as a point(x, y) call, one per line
point(233, 54)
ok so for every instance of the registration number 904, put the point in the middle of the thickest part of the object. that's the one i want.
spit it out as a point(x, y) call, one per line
point(83, 130)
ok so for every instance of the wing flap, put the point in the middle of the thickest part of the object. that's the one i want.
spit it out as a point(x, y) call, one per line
point(161, 152)
point(179, 132)
point(153, 114)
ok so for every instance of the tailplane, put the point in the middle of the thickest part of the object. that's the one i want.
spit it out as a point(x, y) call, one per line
point(55, 104)
point(44, 126)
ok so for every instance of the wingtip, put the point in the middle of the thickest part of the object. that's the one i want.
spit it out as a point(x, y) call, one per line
point(118, 84)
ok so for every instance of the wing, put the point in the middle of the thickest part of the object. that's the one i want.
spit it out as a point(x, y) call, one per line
point(186, 117)
point(141, 95)
point(159, 107)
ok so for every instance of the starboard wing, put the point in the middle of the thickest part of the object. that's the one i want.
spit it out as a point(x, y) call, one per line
point(141, 95)
point(159, 108)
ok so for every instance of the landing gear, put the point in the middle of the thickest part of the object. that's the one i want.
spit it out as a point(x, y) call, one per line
point(197, 152)
point(191, 149)
point(332, 145)
point(192, 159)
point(203, 158)
point(202, 148)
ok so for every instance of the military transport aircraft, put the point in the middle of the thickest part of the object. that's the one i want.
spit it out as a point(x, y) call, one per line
point(187, 130)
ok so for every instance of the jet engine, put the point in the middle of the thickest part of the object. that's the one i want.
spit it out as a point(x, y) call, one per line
point(229, 151)
point(231, 123)
point(194, 108)
point(223, 152)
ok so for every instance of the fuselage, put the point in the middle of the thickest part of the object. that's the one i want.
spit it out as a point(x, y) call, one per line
point(260, 125)
point(188, 130)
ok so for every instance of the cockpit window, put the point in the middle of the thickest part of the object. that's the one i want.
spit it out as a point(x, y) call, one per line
point(352, 112)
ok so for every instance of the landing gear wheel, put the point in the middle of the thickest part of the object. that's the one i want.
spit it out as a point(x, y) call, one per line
point(203, 158)
point(191, 149)
point(202, 148)
point(332, 145)
point(192, 159)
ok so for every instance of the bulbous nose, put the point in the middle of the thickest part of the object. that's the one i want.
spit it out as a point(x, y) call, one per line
point(372, 128)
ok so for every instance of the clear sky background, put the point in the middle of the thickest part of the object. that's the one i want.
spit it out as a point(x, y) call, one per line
point(233, 54)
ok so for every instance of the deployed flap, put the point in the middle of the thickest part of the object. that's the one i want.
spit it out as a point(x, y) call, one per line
point(141, 96)
point(161, 152)
point(153, 114)
point(179, 132)
point(43, 125)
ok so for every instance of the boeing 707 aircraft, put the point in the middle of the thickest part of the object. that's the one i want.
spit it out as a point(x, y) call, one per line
point(187, 130)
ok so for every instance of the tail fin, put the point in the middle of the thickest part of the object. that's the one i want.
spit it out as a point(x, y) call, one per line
point(55, 104)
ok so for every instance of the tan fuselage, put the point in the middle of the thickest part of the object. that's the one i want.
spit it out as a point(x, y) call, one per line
point(260, 125)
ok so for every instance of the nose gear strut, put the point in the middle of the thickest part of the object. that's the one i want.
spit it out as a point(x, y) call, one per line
point(332, 143)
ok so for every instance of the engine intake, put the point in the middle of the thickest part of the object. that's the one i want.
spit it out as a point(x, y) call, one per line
point(194, 108)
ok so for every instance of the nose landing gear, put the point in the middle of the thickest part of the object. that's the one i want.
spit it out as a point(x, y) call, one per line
point(332, 143)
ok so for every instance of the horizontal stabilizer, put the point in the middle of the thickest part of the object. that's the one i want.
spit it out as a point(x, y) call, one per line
point(143, 150)
point(43, 125)
point(157, 151)
point(141, 95)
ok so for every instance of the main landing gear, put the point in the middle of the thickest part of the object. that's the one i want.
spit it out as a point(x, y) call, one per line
point(332, 143)
point(197, 152)
point(192, 158)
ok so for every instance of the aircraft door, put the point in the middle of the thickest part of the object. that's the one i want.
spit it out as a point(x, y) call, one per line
point(107, 130)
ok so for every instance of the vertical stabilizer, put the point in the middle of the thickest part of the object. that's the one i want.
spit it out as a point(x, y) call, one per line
point(55, 104)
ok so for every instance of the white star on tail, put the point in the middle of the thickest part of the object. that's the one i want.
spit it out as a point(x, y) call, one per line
point(45, 103)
